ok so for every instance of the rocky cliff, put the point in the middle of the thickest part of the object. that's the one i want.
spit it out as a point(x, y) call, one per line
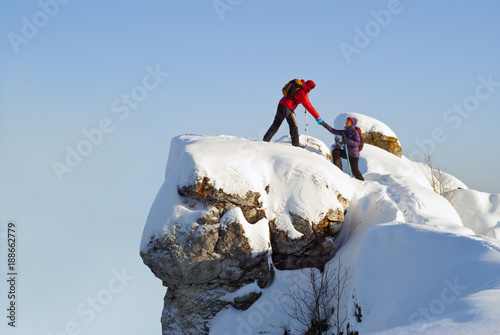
point(229, 213)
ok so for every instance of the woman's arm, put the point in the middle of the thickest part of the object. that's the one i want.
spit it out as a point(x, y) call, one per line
point(331, 130)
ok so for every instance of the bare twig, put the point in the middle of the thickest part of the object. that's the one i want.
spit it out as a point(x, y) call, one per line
point(316, 303)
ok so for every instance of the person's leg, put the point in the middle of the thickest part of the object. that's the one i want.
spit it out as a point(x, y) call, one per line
point(336, 155)
point(293, 125)
point(278, 119)
point(354, 167)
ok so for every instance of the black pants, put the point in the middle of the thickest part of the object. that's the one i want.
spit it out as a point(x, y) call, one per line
point(340, 153)
point(282, 113)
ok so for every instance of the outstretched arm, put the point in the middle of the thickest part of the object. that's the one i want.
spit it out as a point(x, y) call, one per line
point(303, 98)
point(331, 130)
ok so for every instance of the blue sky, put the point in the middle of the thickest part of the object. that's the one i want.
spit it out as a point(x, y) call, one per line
point(144, 72)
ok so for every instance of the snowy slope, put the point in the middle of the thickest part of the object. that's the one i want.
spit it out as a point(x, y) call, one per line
point(415, 268)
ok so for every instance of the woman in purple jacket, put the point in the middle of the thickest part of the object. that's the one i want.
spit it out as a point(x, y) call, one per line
point(352, 140)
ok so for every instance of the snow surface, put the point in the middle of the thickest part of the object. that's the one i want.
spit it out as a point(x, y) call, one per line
point(417, 266)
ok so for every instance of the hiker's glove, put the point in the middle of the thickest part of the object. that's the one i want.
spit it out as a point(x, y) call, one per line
point(324, 124)
point(319, 120)
point(345, 140)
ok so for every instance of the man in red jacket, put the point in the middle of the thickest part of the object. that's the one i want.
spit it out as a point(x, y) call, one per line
point(286, 108)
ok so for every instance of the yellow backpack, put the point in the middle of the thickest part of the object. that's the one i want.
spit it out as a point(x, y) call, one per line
point(291, 87)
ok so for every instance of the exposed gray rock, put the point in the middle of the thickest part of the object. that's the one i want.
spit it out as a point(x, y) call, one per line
point(244, 302)
point(313, 249)
point(205, 192)
point(199, 267)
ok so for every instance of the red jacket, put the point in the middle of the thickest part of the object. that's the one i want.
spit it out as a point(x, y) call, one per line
point(301, 97)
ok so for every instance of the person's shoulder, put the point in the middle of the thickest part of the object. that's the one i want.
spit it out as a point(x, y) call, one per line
point(300, 93)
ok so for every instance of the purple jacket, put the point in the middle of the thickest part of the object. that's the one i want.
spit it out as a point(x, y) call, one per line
point(351, 135)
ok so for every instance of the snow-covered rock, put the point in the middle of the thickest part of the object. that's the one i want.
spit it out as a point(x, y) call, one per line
point(417, 264)
point(374, 132)
point(229, 213)
point(311, 143)
point(479, 211)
